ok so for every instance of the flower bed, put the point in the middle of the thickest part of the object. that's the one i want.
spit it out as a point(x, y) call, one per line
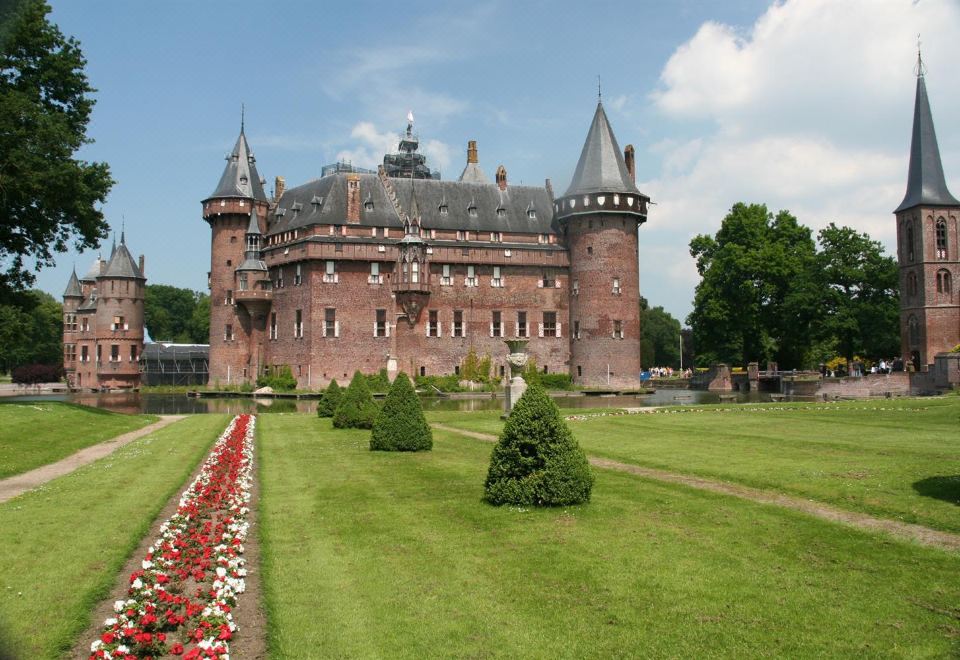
point(179, 603)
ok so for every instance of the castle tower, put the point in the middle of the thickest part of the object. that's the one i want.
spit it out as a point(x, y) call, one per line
point(118, 320)
point(228, 211)
point(253, 290)
point(599, 215)
point(72, 297)
point(927, 235)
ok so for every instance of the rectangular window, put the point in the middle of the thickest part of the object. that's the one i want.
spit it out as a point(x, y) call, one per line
point(70, 322)
point(616, 285)
point(273, 325)
point(471, 279)
point(522, 329)
point(336, 230)
point(380, 325)
point(547, 282)
point(133, 352)
point(114, 352)
point(544, 238)
point(575, 286)
point(69, 352)
point(375, 276)
point(497, 279)
point(579, 371)
point(496, 324)
point(576, 329)
point(423, 370)
point(446, 275)
point(463, 235)
point(433, 324)
point(549, 324)
point(118, 323)
point(331, 327)
point(228, 332)
point(330, 272)
point(298, 276)
point(414, 272)
point(99, 353)
point(84, 354)
point(298, 324)
point(85, 324)
point(228, 297)
point(458, 329)
point(496, 236)
point(618, 329)
point(243, 284)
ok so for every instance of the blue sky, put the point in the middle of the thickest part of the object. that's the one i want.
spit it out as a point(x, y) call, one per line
point(804, 105)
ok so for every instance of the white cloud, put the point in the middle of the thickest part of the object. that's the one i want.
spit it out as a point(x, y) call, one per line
point(370, 145)
point(809, 109)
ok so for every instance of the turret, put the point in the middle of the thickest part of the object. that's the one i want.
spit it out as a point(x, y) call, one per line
point(72, 298)
point(232, 210)
point(118, 320)
point(412, 286)
point(600, 214)
point(927, 235)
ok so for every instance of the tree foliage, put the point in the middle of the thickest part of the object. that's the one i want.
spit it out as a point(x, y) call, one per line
point(31, 333)
point(176, 315)
point(328, 403)
point(537, 461)
point(400, 424)
point(660, 336)
point(357, 409)
point(47, 197)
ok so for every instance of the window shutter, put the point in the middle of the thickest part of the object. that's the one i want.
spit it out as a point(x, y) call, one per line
point(463, 329)
point(558, 329)
point(540, 330)
point(556, 283)
point(336, 328)
point(539, 284)
point(388, 328)
point(451, 329)
point(427, 327)
point(516, 329)
point(374, 328)
point(503, 281)
point(491, 328)
point(526, 329)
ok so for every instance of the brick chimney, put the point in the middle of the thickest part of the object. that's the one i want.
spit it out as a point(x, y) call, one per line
point(141, 266)
point(502, 177)
point(628, 158)
point(472, 151)
point(353, 198)
point(279, 185)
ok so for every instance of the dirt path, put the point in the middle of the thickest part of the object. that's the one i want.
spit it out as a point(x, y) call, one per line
point(918, 533)
point(21, 483)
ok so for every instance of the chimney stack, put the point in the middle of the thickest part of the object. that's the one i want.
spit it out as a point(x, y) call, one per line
point(141, 266)
point(279, 185)
point(502, 177)
point(472, 151)
point(628, 158)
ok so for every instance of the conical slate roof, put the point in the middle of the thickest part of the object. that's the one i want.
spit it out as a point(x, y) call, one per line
point(925, 181)
point(73, 287)
point(601, 167)
point(122, 263)
point(240, 177)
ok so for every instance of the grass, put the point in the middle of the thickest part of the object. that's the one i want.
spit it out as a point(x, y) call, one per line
point(37, 433)
point(367, 554)
point(63, 544)
point(892, 458)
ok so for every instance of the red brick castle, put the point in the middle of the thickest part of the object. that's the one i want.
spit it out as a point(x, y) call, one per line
point(397, 269)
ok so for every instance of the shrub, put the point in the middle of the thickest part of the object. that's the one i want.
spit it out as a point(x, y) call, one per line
point(280, 378)
point(448, 383)
point(378, 382)
point(556, 381)
point(328, 403)
point(31, 374)
point(530, 373)
point(537, 461)
point(356, 409)
point(400, 425)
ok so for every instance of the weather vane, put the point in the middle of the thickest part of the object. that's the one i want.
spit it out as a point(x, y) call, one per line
point(599, 95)
point(921, 69)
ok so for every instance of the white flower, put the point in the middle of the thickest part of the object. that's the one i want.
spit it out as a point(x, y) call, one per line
point(221, 571)
point(137, 584)
point(118, 606)
point(110, 622)
point(95, 645)
point(146, 564)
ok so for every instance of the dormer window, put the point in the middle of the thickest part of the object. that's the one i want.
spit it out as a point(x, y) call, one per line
point(472, 210)
point(368, 206)
point(443, 208)
point(532, 214)
point(501, 212)
point(243, 180)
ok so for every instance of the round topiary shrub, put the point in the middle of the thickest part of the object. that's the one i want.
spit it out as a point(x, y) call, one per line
point(328, 403)
point(356, 409)
point(537, 461)
point(401, 426)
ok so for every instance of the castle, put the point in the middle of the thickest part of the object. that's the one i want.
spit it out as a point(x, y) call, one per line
point(399, 270)
point(103, 323)
point(927, 249)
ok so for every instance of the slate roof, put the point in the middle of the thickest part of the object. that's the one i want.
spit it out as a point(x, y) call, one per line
point(93, 272)
point(601, 167)
point(73, 287)
point(89, 304)
point(122, 263)
point(324, 201)
point(473, 174)
point(240, 177)
point(925, 181)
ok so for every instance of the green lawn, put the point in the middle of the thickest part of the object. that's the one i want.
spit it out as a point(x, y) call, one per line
point(374, 554)
point(893, 458)
point(63, 544)
point(37, 433)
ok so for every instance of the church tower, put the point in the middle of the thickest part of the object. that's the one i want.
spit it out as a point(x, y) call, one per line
point(599, 215)
point(232, 210)
point(927, 235)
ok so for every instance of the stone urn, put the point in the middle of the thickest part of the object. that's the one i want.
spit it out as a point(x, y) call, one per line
point(514, 388)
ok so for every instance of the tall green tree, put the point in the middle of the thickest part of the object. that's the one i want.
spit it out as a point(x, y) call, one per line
point(48, 198)
point(757, 298)
point(175, 314)
point(660, 336)
point(860, 310)
point(31, 333)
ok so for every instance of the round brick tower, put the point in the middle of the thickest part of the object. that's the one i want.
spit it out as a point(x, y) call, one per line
point(228, 212)
point(599, 215)
point(118, 321)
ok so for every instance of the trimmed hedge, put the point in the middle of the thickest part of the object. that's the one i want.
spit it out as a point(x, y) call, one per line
point(401, 426)
point(537, 461)
point(356, 409)
point(328, 403)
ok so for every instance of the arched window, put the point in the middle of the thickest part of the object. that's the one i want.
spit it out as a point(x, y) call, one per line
point(941, 231)
point(944, 283)
point(910, 240)
point(914, 329)
point(911, 285)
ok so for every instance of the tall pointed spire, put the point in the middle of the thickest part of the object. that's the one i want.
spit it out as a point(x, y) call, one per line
point(926, 184)
point(601, 167)
point(240, 177)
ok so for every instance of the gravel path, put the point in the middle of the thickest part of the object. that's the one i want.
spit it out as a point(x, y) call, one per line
point(917, 533)
point(21, 483)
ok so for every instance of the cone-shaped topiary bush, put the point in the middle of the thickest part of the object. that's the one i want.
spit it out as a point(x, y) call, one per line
point(328, 403)
point(401, 426)
point(537, 461)
point(356, 409)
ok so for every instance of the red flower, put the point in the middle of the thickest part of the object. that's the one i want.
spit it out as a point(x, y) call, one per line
point(107, 637)
point(176, 649)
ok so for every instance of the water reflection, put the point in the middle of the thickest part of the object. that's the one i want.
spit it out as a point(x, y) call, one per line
point(180, 404)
